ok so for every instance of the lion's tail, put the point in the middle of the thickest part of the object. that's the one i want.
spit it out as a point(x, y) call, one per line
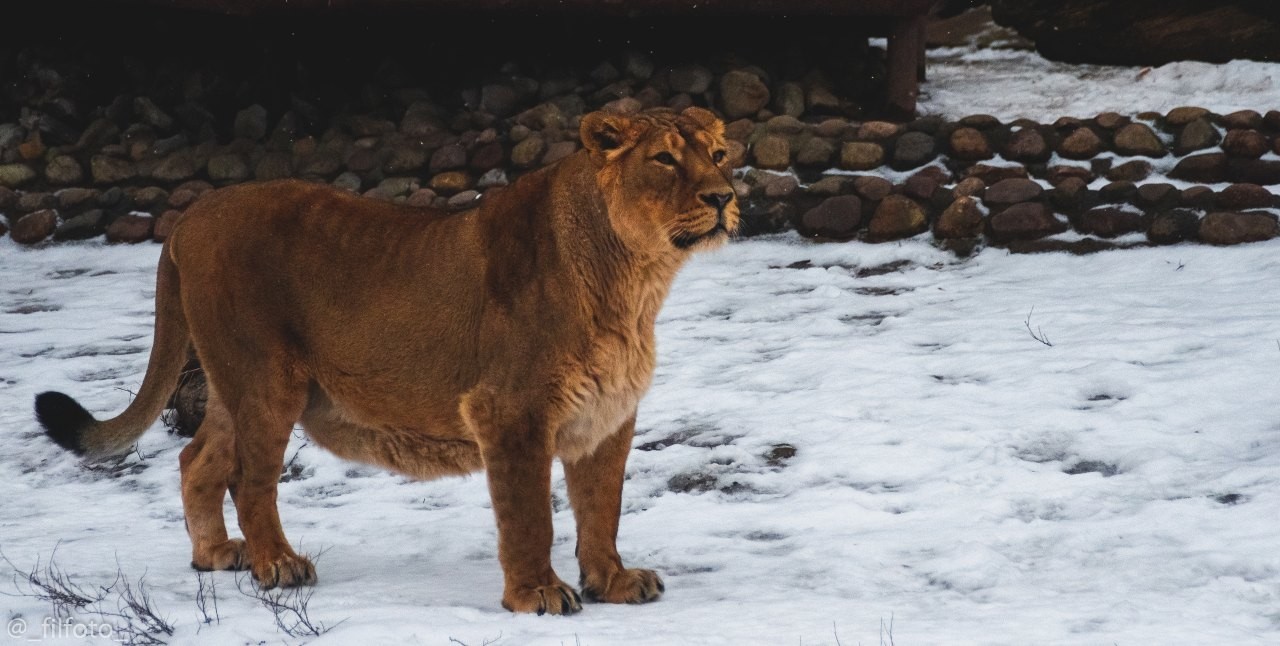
point(74, 428)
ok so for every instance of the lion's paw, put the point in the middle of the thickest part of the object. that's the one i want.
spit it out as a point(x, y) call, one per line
point(558, 599)
point(285, 571)
point(227, 555)
point(625, 586)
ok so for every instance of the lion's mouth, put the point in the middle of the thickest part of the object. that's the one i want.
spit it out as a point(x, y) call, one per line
point(686, 240)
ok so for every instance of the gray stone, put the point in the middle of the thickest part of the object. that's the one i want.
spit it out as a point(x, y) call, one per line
point(251, 123)
point(34, 227)
point(789, 100)
point(742, 94)
point(1139, 139)
point(963, 219)
point(837, 218)
point(228, 167)
point(1197, 134)
point(692, 79)
point(151, 114)
point(896, 217)
point(111, 170)
point(15, 175)
point(81, 227)
point(445, 158)
point(1025, 221)
point(912, 150)
point(1229, 227)
point(1012, 191)
point(772, 152)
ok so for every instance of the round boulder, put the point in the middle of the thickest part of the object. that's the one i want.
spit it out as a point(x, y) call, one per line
point(1230, 227)
point(836, 218)
point(1138, 139)
point(742, 94)
point(963, 219)
point(896, 217)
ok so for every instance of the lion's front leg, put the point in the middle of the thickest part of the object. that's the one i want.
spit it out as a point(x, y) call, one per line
point(595, 491)
point(517, 459)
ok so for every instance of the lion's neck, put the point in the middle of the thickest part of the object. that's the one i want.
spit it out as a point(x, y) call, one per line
point(618, 279)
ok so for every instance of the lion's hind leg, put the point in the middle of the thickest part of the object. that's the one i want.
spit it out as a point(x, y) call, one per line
point(206, 465)
point(265, 398)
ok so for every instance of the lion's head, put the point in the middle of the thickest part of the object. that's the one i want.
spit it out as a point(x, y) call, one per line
point(665, 177)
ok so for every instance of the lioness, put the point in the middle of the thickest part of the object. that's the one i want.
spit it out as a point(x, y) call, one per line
point(431, 344)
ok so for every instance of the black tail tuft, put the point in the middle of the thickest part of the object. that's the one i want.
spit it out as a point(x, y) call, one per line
point(64, 420)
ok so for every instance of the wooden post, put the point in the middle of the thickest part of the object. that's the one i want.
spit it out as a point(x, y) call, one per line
point(906, 43)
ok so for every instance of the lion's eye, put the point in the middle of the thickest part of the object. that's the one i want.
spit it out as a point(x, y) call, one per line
point(665, 158)
point(718, 156)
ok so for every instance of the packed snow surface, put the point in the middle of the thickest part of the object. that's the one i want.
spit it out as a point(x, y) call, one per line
point(1115, 481)
point(1013, 83)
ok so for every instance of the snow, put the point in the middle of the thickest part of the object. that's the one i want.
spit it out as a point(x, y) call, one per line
point(1012, 83)
point(955, 480)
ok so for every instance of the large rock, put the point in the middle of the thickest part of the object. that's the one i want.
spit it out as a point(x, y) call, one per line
point(177, 167)
point(1250, 144)
point(1012, 191)
point(1025, 221)
point(130, 228)
point(1254, 171)
point(251, 123)
point(742, 94)
point(1208, 168)
point(1184, 115)
point(1245, 196)
point(1172, 227)
point(836, 218)
point(451, 157)
point(63, 170)
point(1110, 222)
point(969, 144)
point(1027, 145)
point(1082, 143)
point(872, 188)
point(1138, 139)
point(111, 170)
point(896, 217)
point(861, 155)
point(227, 168)
point(81, 227)
point(15, 175)
point(527, 153)
point(963, 219)
point(1197, 134)
point(1230, 227)
point(772, 152)
point(34, 227)
point(693, 79)
point(913, 149)
point(816, 151)
point(272, 166)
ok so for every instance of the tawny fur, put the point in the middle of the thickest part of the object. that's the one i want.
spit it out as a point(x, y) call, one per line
point(432, 344)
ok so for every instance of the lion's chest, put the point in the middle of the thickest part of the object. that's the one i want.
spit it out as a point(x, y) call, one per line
point(603, 392)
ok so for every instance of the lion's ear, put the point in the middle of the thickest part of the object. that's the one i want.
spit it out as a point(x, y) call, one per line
point(605, 133)
point(705, 118)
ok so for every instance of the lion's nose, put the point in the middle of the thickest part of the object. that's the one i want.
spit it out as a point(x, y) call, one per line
point(718, 200)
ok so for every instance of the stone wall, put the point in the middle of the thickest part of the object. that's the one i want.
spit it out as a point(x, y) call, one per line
point(1189, 175)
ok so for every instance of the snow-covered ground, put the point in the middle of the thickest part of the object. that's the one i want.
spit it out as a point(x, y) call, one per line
point(954, 481)
point(1012, 84)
